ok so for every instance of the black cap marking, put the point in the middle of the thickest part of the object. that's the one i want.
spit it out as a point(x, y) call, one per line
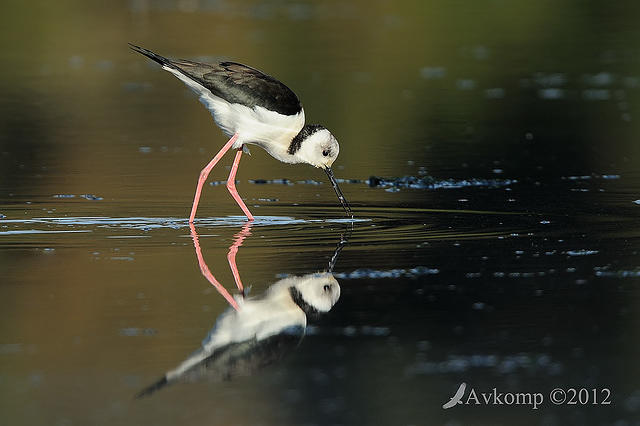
point(306, 131)
point(309, 310)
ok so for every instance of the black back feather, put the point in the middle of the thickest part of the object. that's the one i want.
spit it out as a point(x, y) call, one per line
point(234, 82)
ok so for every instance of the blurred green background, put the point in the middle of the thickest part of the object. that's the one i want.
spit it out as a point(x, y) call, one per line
point(451, 85)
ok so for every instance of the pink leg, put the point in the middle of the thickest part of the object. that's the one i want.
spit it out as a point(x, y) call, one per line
point(205, 173)
point(233, 250)
point(207, 273)
point(231, 185)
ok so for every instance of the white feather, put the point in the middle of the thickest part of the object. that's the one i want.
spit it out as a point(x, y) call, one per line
point(259, 126)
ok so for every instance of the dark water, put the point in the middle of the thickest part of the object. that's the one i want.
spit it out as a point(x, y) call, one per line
point(497, 244)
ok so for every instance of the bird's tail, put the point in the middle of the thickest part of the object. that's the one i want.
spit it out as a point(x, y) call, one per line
point(151, 55)
point(152, 388)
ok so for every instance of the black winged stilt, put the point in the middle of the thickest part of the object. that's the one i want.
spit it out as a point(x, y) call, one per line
point(253, 108)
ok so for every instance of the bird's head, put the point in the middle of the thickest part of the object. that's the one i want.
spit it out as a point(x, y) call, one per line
point(316, 293)
point(318, 146)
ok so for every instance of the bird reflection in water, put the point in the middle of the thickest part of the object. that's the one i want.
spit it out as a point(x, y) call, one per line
point(254, 331)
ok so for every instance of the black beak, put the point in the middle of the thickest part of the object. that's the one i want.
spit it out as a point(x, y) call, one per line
point(345, 204)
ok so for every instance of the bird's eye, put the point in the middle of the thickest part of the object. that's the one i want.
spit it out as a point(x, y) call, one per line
point(327, 287)
point(325, 152)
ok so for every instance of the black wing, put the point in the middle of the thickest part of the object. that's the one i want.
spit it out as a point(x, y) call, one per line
point(236, 359)
point(235, 83)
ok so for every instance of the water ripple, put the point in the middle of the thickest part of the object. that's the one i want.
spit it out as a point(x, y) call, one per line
point(150, 223)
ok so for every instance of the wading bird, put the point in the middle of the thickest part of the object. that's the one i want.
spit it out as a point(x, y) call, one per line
point(253, 108)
